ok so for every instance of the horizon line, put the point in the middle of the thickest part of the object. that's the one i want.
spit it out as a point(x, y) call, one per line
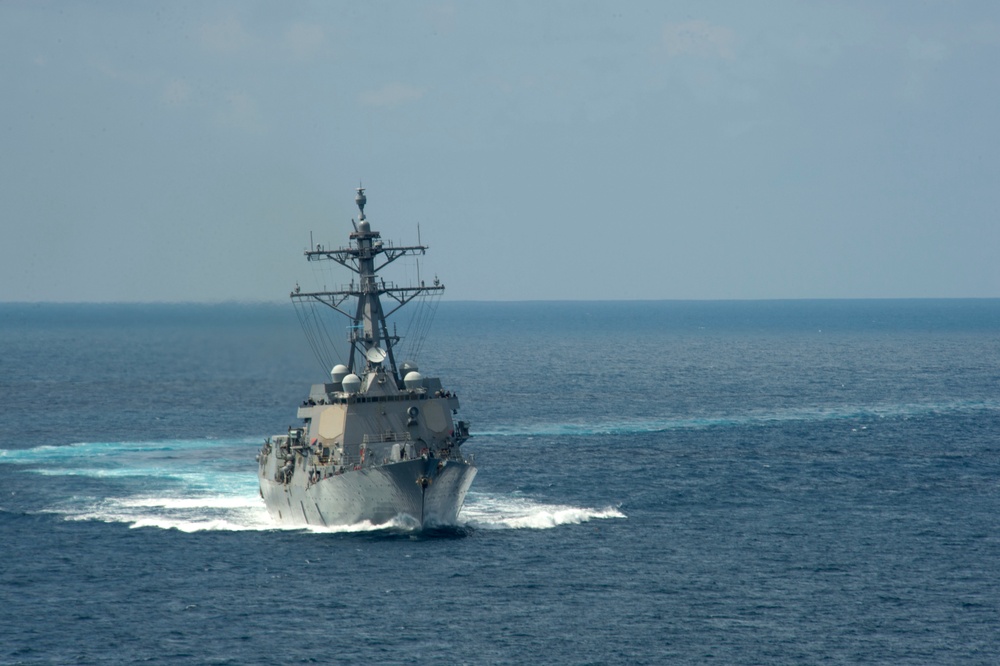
point(247, 302)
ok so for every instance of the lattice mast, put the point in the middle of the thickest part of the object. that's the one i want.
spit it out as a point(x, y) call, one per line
point(369, 336)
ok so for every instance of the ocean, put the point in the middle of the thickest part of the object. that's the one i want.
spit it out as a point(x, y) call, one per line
point(772, 482)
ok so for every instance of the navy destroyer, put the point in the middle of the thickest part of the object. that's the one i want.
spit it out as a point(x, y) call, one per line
point(377, 443)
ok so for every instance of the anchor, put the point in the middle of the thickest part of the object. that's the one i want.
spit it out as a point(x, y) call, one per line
point(423, 482)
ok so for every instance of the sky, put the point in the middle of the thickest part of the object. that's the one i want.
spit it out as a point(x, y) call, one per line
point(188, 151)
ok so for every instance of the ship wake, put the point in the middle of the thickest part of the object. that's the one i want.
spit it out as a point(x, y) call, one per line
point(856, 414)
point(499, 512)
point(205, 485)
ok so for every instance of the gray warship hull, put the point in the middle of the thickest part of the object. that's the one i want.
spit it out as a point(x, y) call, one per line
point(422, 492)
point(377, 443)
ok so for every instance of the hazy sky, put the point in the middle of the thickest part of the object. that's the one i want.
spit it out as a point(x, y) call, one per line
point(183, 151)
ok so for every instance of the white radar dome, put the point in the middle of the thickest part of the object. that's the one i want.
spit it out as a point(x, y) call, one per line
point(413, 380)
point(352, 383)
point(338, 373)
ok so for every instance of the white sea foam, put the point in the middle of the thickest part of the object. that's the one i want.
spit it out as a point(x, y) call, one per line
point(242, 513)
point(396, 524)
point(498, 512)
point(194, 502)
point(216, 525)
point(211, 487)
point(187, 514)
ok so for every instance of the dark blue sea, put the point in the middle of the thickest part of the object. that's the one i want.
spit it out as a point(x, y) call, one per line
point(769, 482)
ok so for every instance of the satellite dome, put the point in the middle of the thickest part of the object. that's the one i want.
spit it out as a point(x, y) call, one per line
point(352, 383)
point(364, 227)
point(338, 373)
point(413, 380)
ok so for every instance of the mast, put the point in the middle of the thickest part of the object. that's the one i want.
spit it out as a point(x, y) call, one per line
point(369, 335)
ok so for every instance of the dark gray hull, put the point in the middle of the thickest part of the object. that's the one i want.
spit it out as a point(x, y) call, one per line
point(426, 492)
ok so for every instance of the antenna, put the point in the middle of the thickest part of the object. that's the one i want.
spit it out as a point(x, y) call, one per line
point(417, 255)
point(361, 200)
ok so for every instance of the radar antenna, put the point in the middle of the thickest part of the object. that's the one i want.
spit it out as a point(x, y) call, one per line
point(361, 200)
point(369, 336)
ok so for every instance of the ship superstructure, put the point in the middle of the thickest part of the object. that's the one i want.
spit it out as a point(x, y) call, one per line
point(378, 442)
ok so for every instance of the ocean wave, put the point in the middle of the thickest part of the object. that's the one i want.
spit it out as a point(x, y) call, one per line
point(748, 419)
point(247, 513)
point(76, 451)
point(499, 512)
point(211, 485)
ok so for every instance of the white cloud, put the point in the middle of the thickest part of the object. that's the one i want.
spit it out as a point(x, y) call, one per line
point(392, 94)
point(176, 92)
point(699, 38)
point(986, 33)
point(304, 40)
point(225, 36)
point(925, 55)
point(815, 50)
point(926, 50)
point(442, 17)
point(240, 111)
